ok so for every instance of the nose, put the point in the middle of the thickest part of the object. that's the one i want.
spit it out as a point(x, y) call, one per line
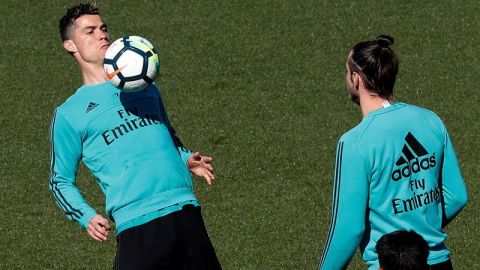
point(102, 35)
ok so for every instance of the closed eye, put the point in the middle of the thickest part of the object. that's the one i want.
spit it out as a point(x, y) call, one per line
point(89, 30)
point(104, 28)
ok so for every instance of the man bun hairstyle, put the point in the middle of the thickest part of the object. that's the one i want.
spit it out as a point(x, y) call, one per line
point(384, 41)
point(376, 63)
point(74, 12)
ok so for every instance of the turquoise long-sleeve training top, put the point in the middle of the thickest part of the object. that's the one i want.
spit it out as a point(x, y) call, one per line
point(396, 170)
point(127, 143)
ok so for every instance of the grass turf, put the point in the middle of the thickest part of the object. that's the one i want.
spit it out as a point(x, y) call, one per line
point(257, 84)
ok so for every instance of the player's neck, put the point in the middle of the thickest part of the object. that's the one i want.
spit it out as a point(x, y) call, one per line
point(92, 73)
point(369, 102)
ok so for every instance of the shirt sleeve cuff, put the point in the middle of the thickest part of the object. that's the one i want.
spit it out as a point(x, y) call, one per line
point(185, 155)
point(86, 218)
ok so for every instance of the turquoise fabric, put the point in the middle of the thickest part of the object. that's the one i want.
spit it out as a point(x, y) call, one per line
point(396, 170)
point(127, 143)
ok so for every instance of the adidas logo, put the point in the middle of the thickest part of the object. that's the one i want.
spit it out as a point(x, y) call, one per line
point(412, 160)
point(91, 106)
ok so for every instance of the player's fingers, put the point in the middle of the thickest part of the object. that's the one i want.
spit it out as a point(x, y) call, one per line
point(197, 156)
point(208, 179)
point(209, 167)
point(207, 159)
point(99, 220)
point(94, 236)
point(104, 223)
point(102, 230)
point(98, 230)
point(212, 176)
point(100, 233)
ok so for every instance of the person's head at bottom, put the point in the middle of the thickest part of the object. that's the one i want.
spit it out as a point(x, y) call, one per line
point(402, 250)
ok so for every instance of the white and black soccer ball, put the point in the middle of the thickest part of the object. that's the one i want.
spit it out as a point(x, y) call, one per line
point(131, 63)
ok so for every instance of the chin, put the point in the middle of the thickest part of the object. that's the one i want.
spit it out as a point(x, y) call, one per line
point(101, 55)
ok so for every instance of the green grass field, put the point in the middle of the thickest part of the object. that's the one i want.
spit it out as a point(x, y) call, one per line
point(260, 86)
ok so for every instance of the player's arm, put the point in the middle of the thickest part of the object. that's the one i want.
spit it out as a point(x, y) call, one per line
point(349, 204)
point(184, 152)
point(197, 164)
point(66, 149)
point(452, 183)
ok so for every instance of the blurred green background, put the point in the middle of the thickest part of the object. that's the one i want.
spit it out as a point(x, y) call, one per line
point(259, 85)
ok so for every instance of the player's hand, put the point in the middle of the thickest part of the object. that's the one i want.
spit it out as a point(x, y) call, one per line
point(98, 228)
point(201, 166)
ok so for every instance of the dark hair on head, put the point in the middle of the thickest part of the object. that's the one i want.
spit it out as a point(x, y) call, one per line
point(74, 12)
point(384, 41)
point(376, 63)
point(402, 250)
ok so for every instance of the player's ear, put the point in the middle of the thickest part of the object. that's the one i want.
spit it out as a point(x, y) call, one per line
point(356, 79)
point(70, 46)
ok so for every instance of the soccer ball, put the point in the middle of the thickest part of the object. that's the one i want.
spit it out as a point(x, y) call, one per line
point(131, 63)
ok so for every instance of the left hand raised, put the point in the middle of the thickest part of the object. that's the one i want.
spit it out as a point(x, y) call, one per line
point(201, 166)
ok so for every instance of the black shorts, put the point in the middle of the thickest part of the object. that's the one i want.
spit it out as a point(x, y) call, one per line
point(442, 266)
point(176, 241)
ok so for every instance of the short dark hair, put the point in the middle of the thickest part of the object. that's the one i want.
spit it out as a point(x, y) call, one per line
point(74, 12)
point(402, 250)
point(376, 63)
